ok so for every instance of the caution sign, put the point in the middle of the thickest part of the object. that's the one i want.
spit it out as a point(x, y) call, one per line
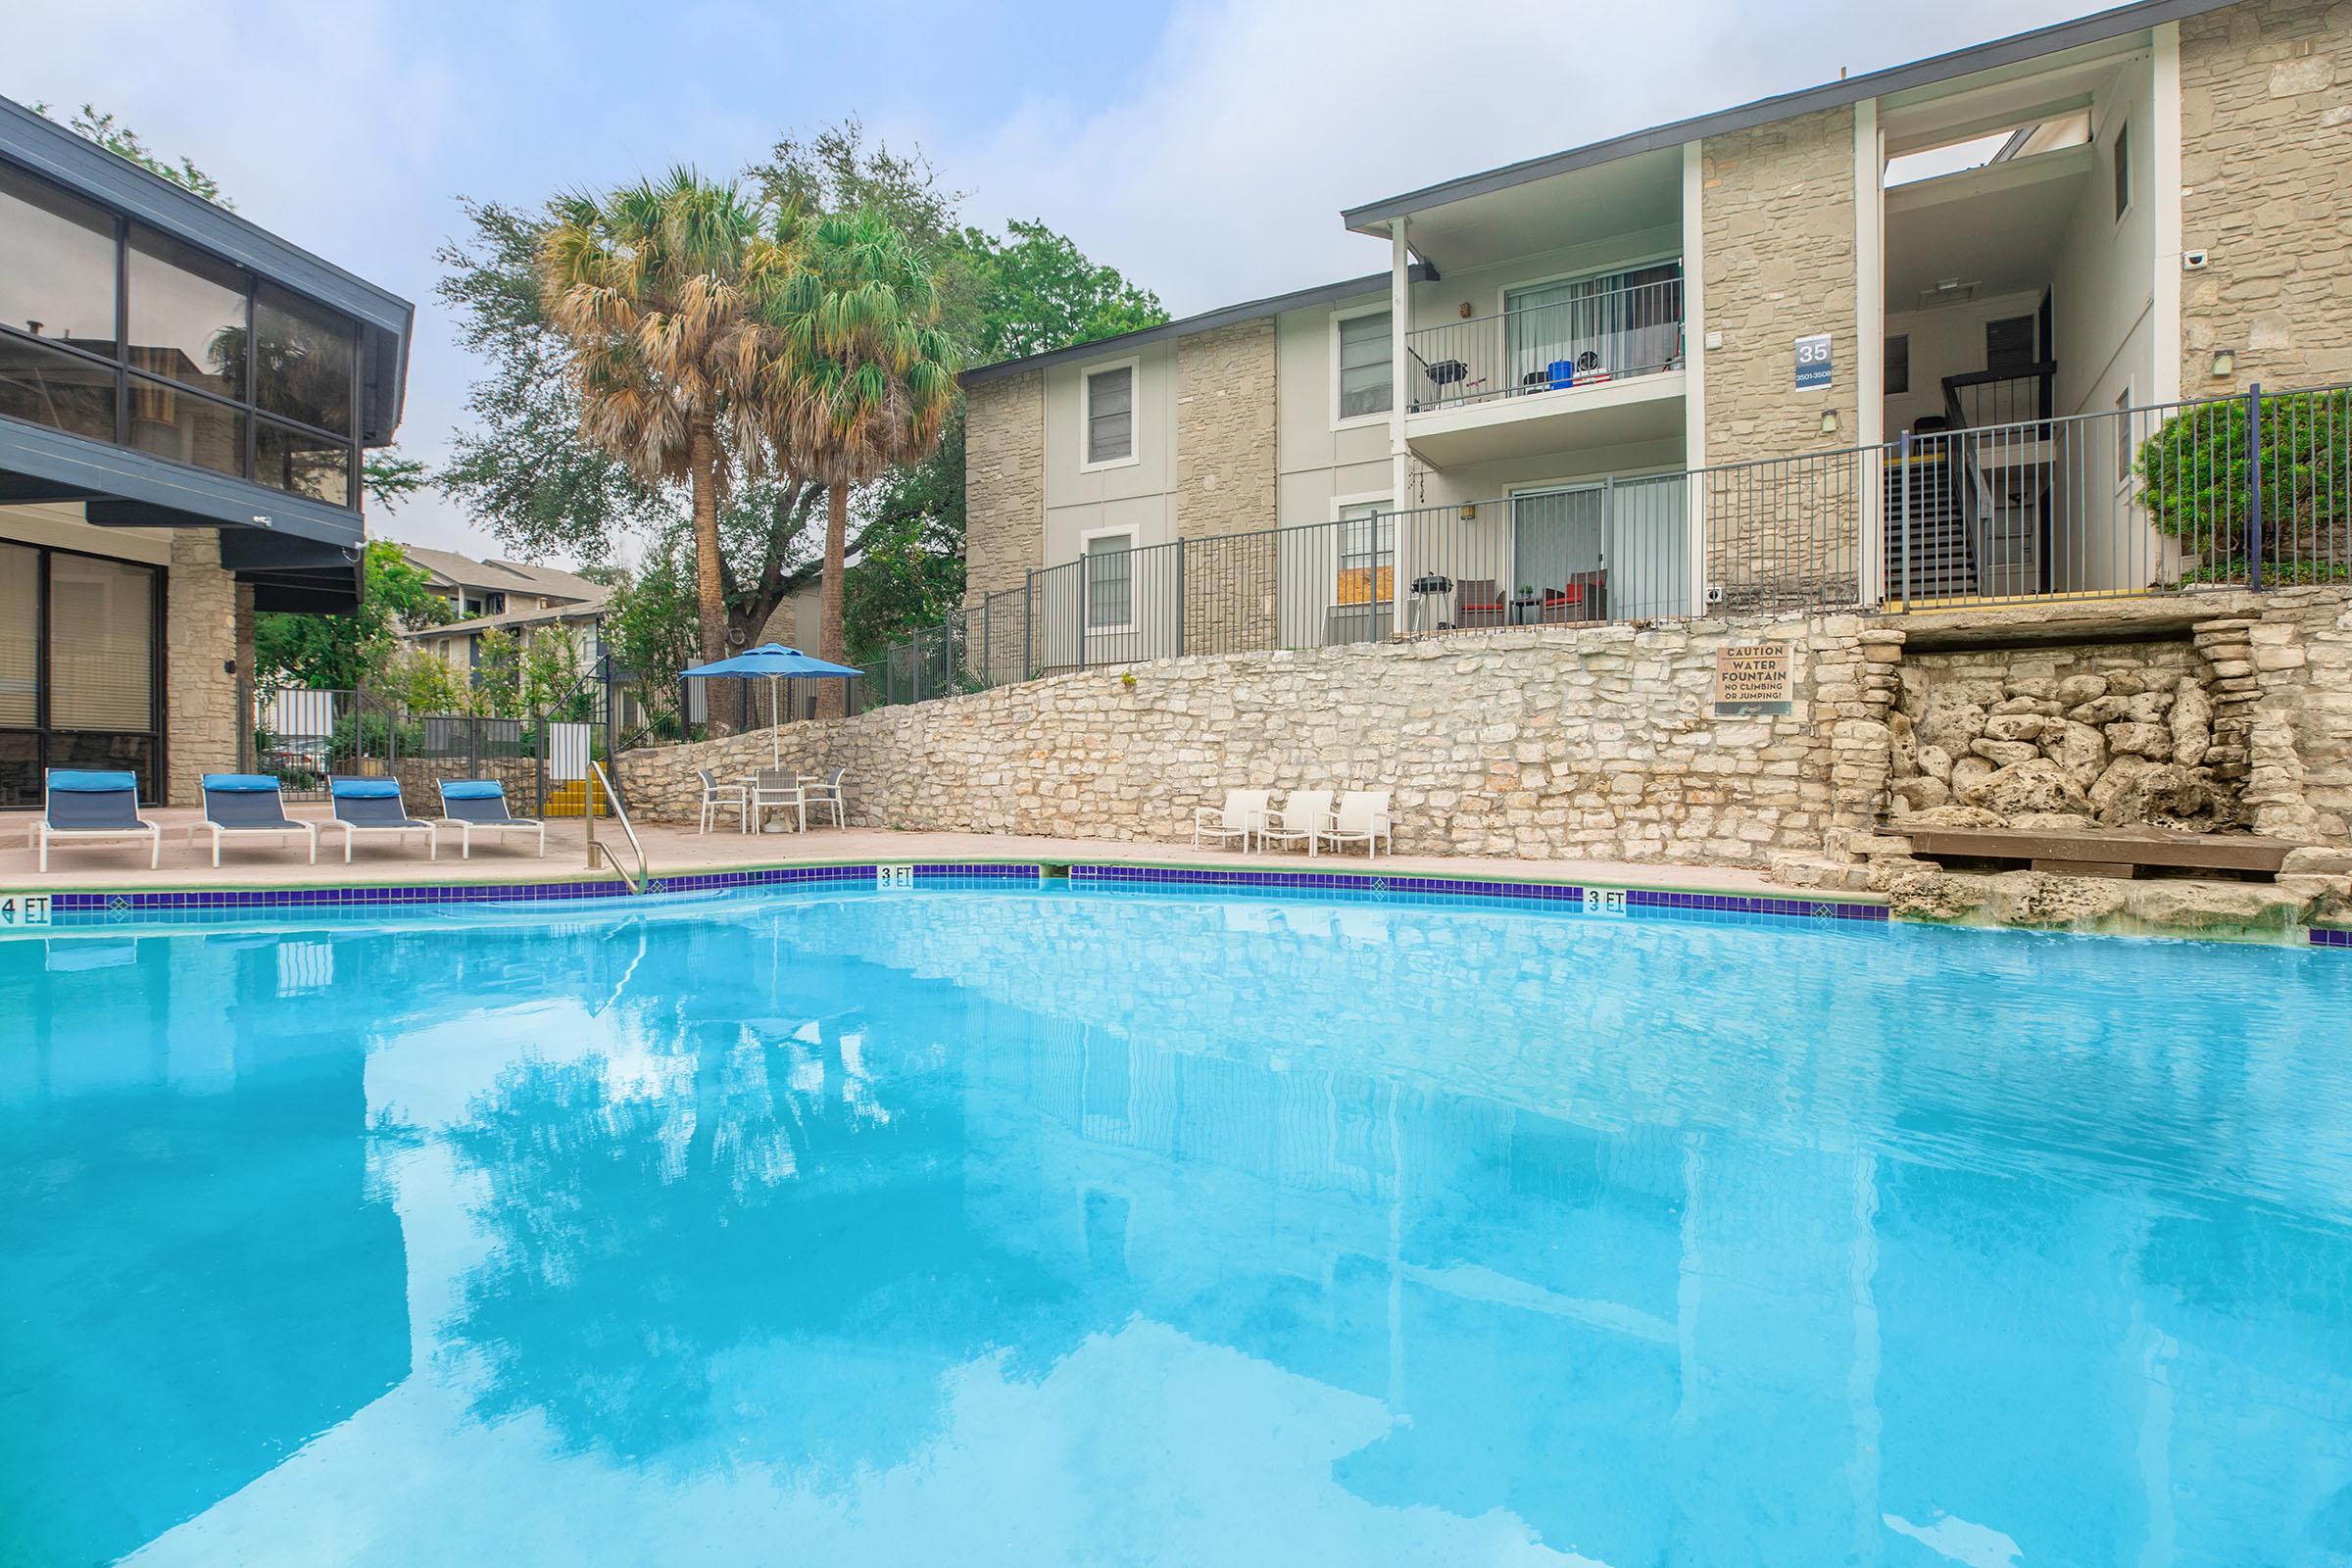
point(1753, 678)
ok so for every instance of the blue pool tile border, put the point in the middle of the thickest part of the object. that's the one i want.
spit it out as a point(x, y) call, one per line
point(1383, 884)
point(76, 911)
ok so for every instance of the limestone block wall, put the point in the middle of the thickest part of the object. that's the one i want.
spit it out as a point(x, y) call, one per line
point(207, 629)
point(2266, 122)
point(1005, 464)
point(1777, 204)
point(1541, 742)
point(1225, 447)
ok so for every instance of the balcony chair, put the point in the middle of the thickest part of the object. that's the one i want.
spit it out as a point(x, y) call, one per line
point(1479, 602)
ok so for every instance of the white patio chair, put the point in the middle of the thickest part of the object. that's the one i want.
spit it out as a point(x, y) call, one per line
point(1304, 816)
point(1362, 819)
point(827, 793)
point(774, 787)
point(246, 803)
point(1243, 816)
point(716, 794)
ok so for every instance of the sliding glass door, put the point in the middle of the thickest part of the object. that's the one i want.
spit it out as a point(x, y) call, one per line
point(1625, 323)
point(78, 643)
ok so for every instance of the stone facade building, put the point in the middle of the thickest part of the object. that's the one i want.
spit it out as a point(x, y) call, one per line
point(1662, 375)
point(157, 491)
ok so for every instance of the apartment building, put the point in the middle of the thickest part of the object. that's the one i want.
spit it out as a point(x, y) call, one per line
point(1675, 372)
point(185, 404)
point(484, 588)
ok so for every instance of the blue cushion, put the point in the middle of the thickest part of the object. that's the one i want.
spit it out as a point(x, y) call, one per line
point(240, 784)
point(365, 789)
point(474, 789)
point(80, 781)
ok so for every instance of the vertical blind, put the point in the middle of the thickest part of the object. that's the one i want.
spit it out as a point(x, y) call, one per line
point(1110, 415)
point(101, 645)
point(20, 634)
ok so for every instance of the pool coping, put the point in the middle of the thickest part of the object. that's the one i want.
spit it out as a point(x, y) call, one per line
point(85, 909)
point(117, 904)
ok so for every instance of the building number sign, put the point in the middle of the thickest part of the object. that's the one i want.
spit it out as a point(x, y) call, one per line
point(1813, 362)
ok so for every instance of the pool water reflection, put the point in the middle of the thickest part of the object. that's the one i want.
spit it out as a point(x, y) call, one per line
point(1042, 1228)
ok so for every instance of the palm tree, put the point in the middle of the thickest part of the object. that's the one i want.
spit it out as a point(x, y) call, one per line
point(652, 287)
point(861, 378)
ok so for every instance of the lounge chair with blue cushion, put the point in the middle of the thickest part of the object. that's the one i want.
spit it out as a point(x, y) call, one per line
point(479, 806)
point(85, 804)
point(374, 805)
point(247, 802)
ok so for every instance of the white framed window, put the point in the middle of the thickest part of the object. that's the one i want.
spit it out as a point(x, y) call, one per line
point(2123, 169)
point(1367, 555)
point(2125, 449)
point(1362, 380)
point(1110, 557)
point(1107, 407)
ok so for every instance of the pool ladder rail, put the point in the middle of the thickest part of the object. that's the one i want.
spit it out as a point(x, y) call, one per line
point(620, 813)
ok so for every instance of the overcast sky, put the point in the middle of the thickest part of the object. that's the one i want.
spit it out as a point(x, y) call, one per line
point(1203, 149)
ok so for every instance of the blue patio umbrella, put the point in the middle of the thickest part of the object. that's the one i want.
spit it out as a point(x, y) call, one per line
point(777, 662)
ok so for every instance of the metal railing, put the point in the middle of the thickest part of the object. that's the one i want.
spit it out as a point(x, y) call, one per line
point(620, 813)
point(1604, 336)
point(2254, 490)
point(302, 736)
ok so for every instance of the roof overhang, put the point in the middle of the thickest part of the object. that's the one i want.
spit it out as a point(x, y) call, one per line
point(1375, 216)
point(1186, 326)
point(387, 320)
point(123, 488)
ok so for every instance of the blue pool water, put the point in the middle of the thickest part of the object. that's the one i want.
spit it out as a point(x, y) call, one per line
point(1037, 1228)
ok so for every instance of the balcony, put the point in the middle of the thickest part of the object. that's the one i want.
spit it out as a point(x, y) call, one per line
point(1592, 366)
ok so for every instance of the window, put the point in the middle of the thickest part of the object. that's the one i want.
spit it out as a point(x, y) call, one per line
point(1364, 378)
point(198, 350)
point(1368, 553)
point(302, 362)
point(2123, 169)
point(2125, 449)
point(1898, 364)
point(57, 265)
point(2009, 345)
point(1111, 582)
point(1109, 416)
point(78, 636)
point(187, 317)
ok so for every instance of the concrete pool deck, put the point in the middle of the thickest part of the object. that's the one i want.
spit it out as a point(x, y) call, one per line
point(679, 851)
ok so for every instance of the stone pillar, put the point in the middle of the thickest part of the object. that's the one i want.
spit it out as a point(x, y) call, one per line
point(1004, 483)
point(207, 626)
point(1225, 485)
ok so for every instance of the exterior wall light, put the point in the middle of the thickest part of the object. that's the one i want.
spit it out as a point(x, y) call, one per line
point(2225, 364)
point(1829, 421)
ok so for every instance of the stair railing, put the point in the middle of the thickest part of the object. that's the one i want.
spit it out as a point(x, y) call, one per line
point(621, 814)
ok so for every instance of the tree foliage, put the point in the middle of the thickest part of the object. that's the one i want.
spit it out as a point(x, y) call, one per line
point(337, 652)
point(120, 139)
point(649, 631)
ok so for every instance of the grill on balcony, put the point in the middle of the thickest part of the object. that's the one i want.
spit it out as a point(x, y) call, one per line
point(1581, 336)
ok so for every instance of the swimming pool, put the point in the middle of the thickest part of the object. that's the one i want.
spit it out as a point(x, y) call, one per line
point(1028, 1226)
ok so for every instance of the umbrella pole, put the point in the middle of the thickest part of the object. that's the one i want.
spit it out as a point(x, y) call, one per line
point(775, 732)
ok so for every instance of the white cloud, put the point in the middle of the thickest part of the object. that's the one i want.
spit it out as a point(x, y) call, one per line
point(1211, 170)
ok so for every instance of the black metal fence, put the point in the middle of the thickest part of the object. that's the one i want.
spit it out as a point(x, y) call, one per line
point(2254, 490)
point(302, 736)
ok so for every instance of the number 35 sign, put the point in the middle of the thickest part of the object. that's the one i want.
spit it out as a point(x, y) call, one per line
point(1813, 362)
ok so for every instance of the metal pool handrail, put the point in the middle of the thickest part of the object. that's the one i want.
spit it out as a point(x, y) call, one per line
point(621, 814)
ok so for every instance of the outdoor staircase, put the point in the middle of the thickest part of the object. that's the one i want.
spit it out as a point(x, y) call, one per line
point(1942, 560)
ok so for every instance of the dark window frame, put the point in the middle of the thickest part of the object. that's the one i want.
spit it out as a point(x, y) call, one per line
point(44, 731)
point(118, 363)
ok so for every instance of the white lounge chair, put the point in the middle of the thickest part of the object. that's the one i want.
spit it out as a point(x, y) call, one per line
point(374, 805)
point(715, 795)
point(1304, 816)
point(479, 806)
point(1242, 816)
point(236, 805)
point(85, 804)
point(1363, 817)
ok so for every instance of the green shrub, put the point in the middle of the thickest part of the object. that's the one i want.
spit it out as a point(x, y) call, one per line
point(2194, 478)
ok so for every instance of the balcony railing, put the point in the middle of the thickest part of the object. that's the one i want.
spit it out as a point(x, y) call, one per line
point(1606, 336)
point(2252, 491)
